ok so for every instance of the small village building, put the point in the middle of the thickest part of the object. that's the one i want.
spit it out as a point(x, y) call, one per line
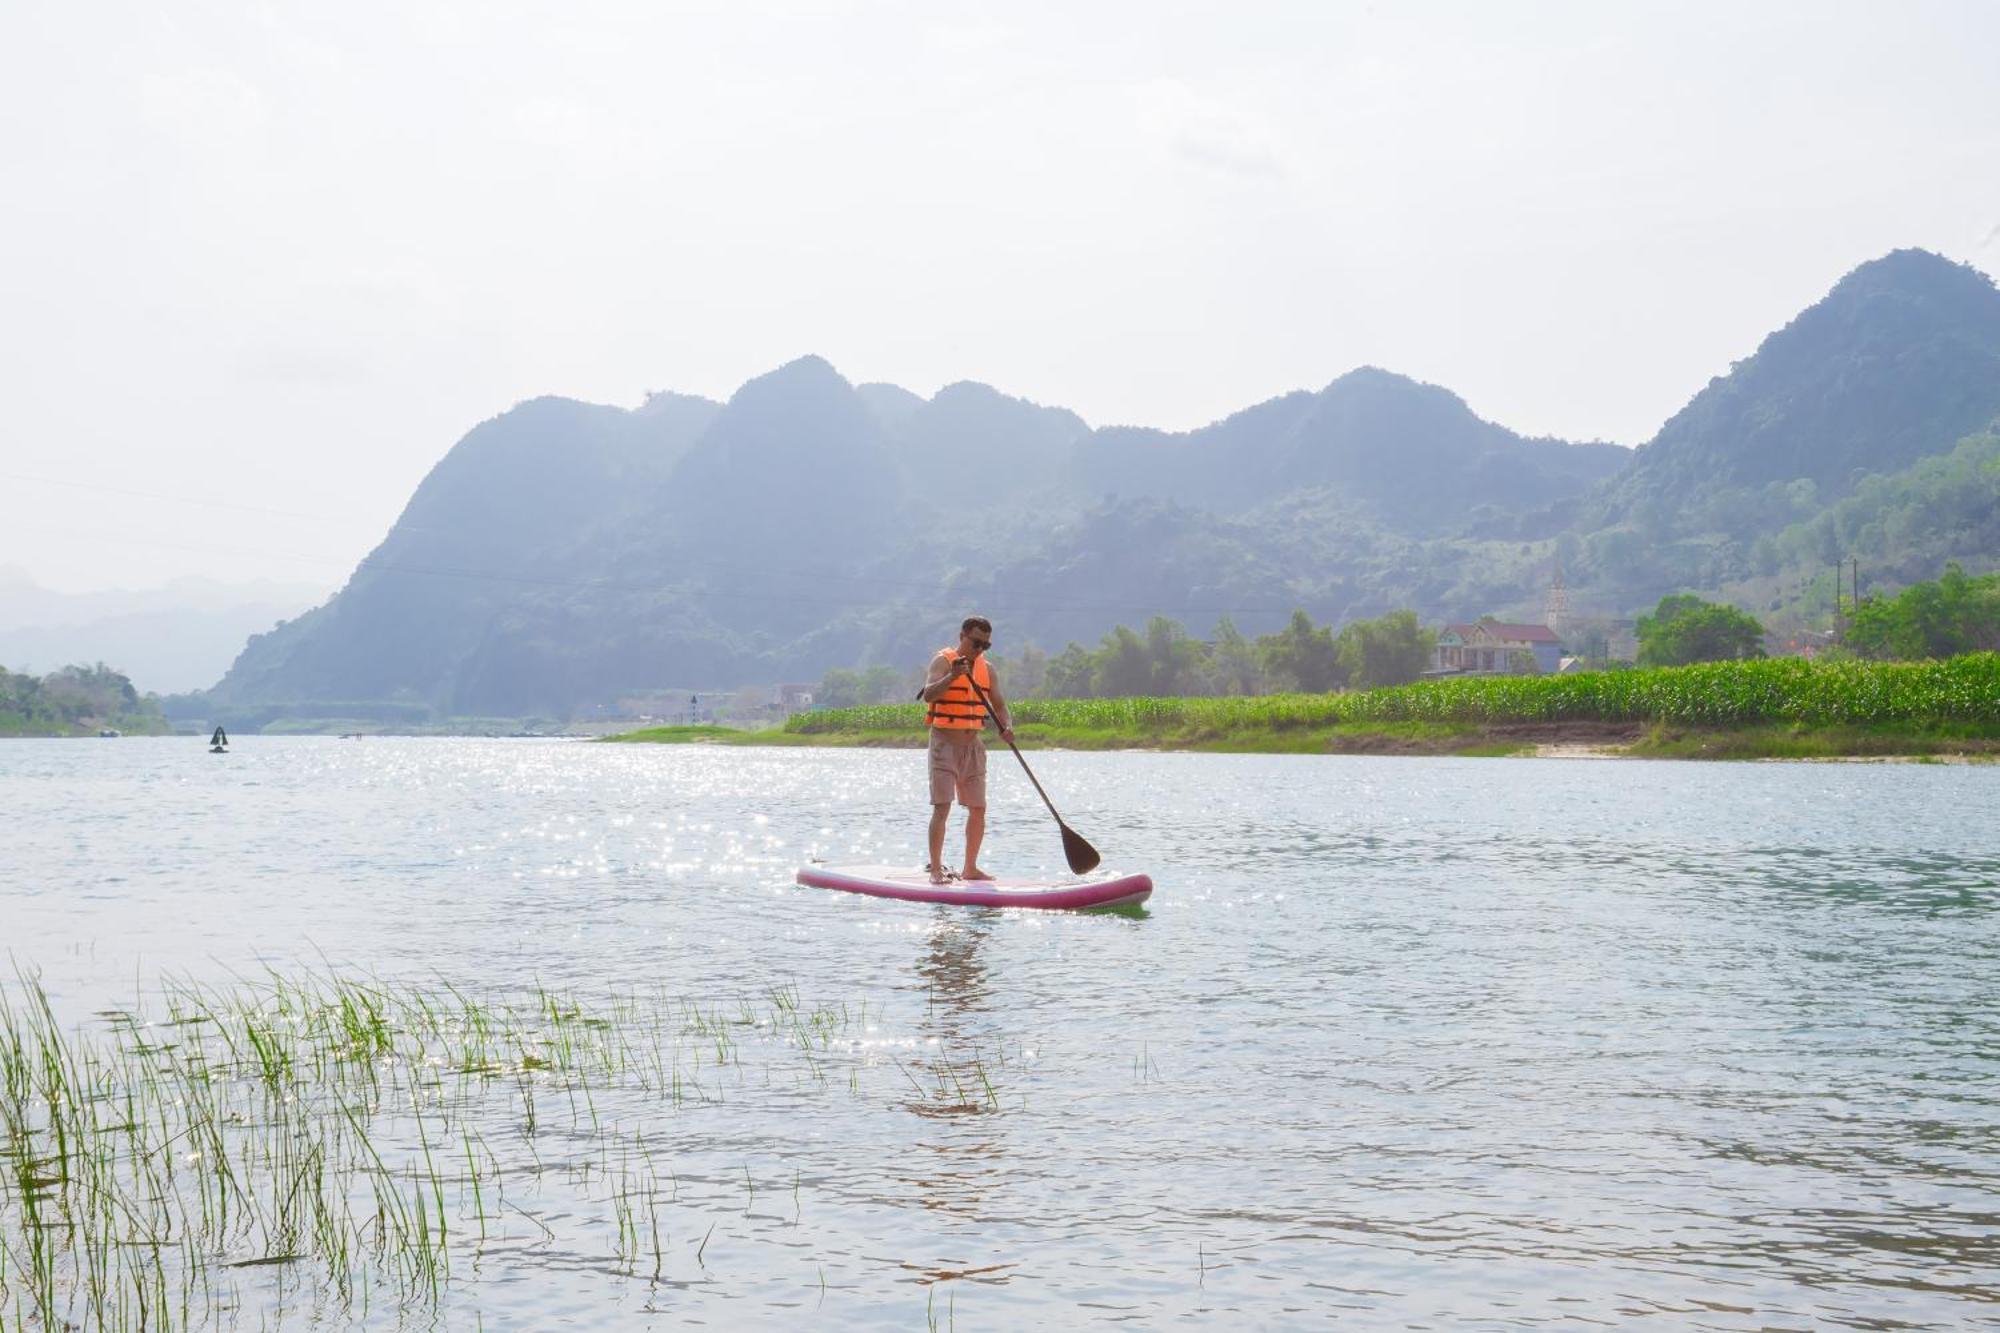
point(1495, 648)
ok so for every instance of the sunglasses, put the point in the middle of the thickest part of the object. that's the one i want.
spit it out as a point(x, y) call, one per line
point(982, 644)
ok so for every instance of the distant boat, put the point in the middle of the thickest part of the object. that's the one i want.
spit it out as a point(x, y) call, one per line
point(104, 733)
point(219, 742)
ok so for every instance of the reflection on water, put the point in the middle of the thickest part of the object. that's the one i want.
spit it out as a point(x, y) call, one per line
point(1400, 1041)
point(959, 1158)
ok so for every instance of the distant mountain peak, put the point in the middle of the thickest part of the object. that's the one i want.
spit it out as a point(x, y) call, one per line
point(1371, 391)
point(1900, 359)
point(892, 404)
point(968, 389)
point(1374, 381)
point(805, 370)
point(978, 391)
point(884, 389)
point(1911, 268)
point(796, 392)
point(668, 400)
point(1365, 375)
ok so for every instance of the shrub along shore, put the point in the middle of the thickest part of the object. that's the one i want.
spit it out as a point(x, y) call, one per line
point(1767, 708)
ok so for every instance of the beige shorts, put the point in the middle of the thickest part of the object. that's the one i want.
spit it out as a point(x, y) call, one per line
point(958, 767)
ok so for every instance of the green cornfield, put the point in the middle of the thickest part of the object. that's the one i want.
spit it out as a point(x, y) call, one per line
point(1768, 690)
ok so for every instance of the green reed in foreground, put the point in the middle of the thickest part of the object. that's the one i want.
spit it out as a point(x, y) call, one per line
point(348, 1137)
point(1962, 690)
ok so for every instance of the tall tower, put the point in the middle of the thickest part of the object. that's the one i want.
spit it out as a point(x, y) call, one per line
point(1555, 610)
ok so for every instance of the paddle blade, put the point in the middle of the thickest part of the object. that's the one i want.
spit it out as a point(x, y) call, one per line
point(1082, 857)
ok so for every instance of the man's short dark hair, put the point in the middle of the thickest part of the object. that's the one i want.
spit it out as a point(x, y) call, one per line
point(980, 623)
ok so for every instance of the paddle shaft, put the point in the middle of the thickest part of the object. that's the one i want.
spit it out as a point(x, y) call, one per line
point(988, 705)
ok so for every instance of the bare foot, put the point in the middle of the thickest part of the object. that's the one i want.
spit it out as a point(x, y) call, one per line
point(974, 872)
point(941, 874)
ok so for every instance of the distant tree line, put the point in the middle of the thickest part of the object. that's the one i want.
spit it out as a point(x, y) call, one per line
point(841, 688)
point(1953, 614)
point(72, 699)
point(1164, 660)
point(1684, 629)
point(1957, 613)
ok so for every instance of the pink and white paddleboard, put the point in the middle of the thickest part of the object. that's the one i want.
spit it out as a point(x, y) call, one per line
point(915, 886)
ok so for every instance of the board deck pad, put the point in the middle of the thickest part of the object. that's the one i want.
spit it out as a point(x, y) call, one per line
point(911, 884)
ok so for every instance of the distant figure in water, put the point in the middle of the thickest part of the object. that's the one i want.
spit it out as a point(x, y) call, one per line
point(219, 742)
point(957, 751)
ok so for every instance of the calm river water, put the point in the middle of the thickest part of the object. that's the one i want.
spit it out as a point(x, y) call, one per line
point(1402, 1041)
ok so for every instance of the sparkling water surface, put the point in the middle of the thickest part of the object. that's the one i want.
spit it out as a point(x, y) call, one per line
point(1410, 1042)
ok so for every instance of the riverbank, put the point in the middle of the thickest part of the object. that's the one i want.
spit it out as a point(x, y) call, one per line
point(1768, 709)
point(1571, 740)
point(14, 726)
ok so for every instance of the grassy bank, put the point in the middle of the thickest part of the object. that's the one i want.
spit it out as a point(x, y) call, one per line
point(693, 734)
point(1781, 707)
point(1796, 741)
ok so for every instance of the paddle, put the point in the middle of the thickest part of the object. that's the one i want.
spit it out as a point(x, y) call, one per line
point(1082, 857)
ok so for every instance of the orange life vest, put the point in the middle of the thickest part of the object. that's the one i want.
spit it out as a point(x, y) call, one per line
point(958, 708)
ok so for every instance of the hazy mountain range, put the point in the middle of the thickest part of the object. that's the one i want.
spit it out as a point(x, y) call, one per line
point(563, 553)
point(180, 636)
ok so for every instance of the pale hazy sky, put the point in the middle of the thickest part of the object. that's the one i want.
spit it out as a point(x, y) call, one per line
point(280, 256)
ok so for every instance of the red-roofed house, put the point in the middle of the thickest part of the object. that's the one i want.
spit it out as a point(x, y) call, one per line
point(1491, 648)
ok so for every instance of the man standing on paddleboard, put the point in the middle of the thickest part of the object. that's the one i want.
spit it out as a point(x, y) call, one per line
point(956, 716)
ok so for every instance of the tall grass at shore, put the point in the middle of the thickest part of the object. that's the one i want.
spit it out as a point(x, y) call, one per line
point(1772, 690)
point(344, 1141)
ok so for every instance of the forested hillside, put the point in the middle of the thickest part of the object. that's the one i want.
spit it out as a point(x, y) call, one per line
point(563, 554)
point(1898, 363)
point(1411, 457)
